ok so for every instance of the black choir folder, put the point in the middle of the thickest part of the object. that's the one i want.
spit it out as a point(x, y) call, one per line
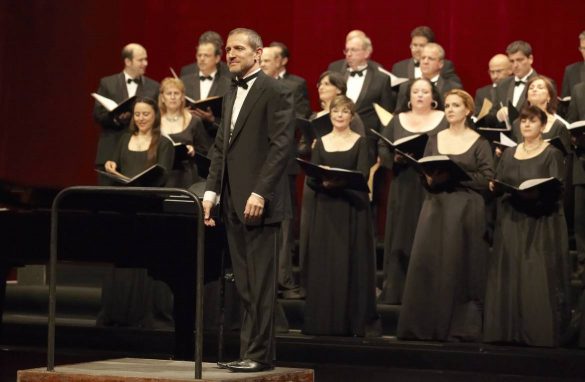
point(181, 150)
point(413, 145)
point(577, 128)
point(114, 108)
point(430, 165)
point(148, 177)
point(351, 179)
point(315, 128)
point(214, 103)
point(530, 184)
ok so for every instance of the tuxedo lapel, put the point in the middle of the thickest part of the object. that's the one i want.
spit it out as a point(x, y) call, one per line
point(365, 86)
point(226, 117)
point(248, 105)
point(410, 68)
point(121, 87)
point(582, 73)
point(197, 88)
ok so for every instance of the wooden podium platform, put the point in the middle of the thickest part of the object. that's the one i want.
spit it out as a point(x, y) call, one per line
point(154, 370)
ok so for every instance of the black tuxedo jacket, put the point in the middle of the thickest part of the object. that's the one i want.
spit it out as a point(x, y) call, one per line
point(341, 66)
point(193, 68)
point(489, 92)
point(256, 156)
point(298, 87)
point(221, 84)
point(114, 88)
point(405, 69)
point(574, 74)
point(443, 86)
point(577, 105)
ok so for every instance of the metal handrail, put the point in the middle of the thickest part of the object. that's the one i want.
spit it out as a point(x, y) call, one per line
point(198, 356)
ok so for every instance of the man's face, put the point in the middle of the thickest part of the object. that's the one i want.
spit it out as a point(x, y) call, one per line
point(521, 65)
point(582, 47)
point(240, 56)
point(416, 46)
point(430, 63)
point(268, 63)
point(355, 54)
point(499, 70)
point(206, 58)
point(136, 66)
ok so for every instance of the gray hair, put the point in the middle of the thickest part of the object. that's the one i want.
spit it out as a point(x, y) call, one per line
point(254, 38)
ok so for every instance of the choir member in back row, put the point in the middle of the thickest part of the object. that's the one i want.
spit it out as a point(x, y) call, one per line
point(527, 299)
point(182, 128)
point(341, 267)
point(445, 283)
point(499, 67)
point(575, 73)
point(422, 114)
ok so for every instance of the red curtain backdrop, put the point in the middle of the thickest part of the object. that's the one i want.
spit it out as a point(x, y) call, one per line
point(53, 54)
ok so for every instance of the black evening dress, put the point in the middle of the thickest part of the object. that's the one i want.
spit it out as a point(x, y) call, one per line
point(445, 283)
point(184, 172)
point(528, 278)
point(405, 199)
point(341, 291)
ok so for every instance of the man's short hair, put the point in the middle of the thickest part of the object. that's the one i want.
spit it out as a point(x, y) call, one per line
point(214, 38)
point(254, 38)
point(127, 52)
point(519, 46)
point(423, 31)
point(283, 48)
point(438, 47)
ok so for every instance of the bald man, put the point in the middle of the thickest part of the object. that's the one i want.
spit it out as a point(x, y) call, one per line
point(119, 87)
point(499, 67)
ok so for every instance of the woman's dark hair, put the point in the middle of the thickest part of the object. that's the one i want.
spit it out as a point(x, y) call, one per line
point(531, 111)
point(155, 132)
point(551, 106)
point(336, 79)
point(434, 93)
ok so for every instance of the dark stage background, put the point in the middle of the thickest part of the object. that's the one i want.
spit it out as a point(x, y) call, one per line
point(53, 53)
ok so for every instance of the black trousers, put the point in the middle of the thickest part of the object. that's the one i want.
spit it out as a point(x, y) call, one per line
point(253, 251)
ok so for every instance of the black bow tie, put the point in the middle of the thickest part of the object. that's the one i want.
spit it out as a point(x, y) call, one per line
point(517, 83)
point(358, 73)
point(243, 82)
point(130, 80)
point(417, 64)
point(203, 78)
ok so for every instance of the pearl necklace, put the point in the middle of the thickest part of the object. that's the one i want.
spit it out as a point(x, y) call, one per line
point(531, 150)
point(173, 118)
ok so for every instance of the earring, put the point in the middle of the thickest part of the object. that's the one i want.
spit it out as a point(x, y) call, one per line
point(434, 104)
point(408, 105)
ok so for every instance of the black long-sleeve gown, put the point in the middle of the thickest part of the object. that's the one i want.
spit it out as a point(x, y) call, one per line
point(528, 279)
point(405, 199)
point(341, 291)
point(445, 282)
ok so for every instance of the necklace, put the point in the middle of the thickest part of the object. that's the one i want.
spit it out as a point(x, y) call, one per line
point(342, 135)
point(173, 118)
point(533, 149)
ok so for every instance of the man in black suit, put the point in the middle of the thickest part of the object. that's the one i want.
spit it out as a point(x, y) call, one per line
point(341, 65)
point(499, 67)
point(119, 87)
point(207, 81)
point(431, 63)
point(574, 73)
point(215, 39)
point(513, 89)
point(410, 68)
point(248, 165)
point(366, 84)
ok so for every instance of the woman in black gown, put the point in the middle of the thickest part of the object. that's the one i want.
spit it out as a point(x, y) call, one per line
point(182, 127)
point(341, 293)
point(129, 296)
point(444, 286)
point(421, 114)
point(528, 279)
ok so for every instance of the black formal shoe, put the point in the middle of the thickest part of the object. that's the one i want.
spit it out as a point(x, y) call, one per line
point(249, 366)
point(226, 365)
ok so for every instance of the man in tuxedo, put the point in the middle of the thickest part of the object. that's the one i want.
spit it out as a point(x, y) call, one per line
point(366, 84)
point(499, 67)
point(431, 63)
point(575, 73)
point(513, 89)
point(341, 65)
point(119, 87)
point(410, 67)
point(215, 39)
point(207, 81)
point(248, 165)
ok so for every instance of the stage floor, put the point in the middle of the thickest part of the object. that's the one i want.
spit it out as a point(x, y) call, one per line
point(155, 370)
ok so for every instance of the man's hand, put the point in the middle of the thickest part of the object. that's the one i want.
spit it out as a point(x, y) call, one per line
point(502, 114)
point(207, 219)
point(204, 115)
point(124, 118)
point(254, 209)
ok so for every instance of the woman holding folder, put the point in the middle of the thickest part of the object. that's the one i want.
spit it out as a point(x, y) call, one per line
point(444, 286)
point(341, 297)
point(185, 130)
point(421, 114)
point(528, 281)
